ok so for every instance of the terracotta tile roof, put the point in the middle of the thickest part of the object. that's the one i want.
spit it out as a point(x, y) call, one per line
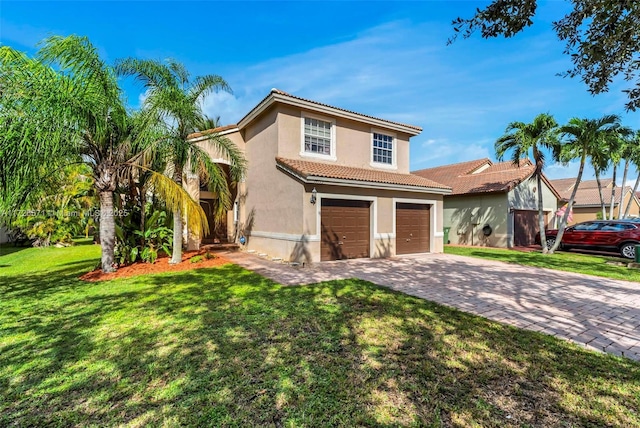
point(449, 173)
point(471, 177)
point(211, 131)
point(590, 197)
point(308, 169)
point(565, 185)
point(587, 194)
point(283, 93)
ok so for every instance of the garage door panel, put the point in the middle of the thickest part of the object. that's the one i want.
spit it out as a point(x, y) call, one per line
point(525, 227)
point(345, 229)
point(413, 234)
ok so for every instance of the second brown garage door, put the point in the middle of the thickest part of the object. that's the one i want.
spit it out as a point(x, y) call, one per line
point(345, 231)
point(412, 228)
point(525, 227)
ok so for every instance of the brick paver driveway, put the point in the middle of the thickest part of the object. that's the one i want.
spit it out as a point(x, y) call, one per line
point(600, 313)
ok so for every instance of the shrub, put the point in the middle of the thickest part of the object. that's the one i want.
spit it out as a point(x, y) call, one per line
point(196, 259)
point(133, 244)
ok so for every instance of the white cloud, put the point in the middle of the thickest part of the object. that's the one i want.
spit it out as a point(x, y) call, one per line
point(229, 107)
point(434, 152)
point(570, 170)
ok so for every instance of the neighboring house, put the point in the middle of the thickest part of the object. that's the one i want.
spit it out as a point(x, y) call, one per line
point(493, 205)
point(586, 205)
point(324, 183)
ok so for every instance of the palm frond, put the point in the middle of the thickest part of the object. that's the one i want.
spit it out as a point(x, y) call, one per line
point(205, 85)
point(152, 74)
point(178, 200)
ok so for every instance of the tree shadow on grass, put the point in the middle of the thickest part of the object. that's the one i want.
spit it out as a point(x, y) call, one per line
point(6, 249)
point(226, 347)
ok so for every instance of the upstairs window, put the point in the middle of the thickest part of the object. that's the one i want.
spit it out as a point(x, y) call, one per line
point(317, 136)
point(382, 148)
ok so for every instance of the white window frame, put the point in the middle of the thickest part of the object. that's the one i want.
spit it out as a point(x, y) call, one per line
point(332, 156)
point(394, 150)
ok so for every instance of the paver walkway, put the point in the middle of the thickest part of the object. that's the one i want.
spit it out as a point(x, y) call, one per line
point(599, 313)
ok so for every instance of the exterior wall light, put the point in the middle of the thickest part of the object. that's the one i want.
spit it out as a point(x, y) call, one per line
point(314, 194)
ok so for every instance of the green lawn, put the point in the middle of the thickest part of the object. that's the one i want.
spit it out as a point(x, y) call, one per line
point(226, 347)
point(566, 261)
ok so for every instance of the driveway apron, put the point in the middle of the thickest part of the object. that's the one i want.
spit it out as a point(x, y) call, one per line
point(599, 313)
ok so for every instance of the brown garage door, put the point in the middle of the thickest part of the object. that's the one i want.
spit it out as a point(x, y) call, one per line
point(345, 229)
point(525, 227)
point(412, 228)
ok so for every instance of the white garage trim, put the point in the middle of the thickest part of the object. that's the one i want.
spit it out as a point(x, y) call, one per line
point(432, 216)
point(284, 236)
point(373, 218)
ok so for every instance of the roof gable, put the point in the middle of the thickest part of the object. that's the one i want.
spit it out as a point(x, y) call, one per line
point(278, 96)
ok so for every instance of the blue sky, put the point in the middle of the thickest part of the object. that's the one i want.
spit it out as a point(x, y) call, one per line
point(386, 59)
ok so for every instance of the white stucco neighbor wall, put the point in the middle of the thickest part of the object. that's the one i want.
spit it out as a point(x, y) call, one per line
point(467, 215)
point(525, 197)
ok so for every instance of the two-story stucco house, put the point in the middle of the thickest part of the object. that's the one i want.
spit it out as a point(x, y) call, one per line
point(324, 183)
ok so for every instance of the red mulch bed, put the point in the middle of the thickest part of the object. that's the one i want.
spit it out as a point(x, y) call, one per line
point(160, 265)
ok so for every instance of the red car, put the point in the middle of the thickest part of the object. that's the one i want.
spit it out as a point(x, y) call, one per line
point(605, 235)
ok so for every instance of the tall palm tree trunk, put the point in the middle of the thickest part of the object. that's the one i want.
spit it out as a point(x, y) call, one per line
point(565, 217)
point(107, 230)
point(624, 181)
point(613, 192)
point(635, 190)
point(602, 204)
point(541, 225)
point(178, 226)
point(143, 203)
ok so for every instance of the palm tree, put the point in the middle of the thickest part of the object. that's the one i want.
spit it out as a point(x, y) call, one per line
point(63, 106)
point(584, 137)
point(173, 97)
point(633, 156)
point(521, 138)
point(600, 162)
point(616, 143)
point(629, 143)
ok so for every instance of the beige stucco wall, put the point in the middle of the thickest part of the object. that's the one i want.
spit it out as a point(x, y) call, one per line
point(213, 150)
point(272, 203)
point(635, 208)
point(581, 214)
point(353, 141)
